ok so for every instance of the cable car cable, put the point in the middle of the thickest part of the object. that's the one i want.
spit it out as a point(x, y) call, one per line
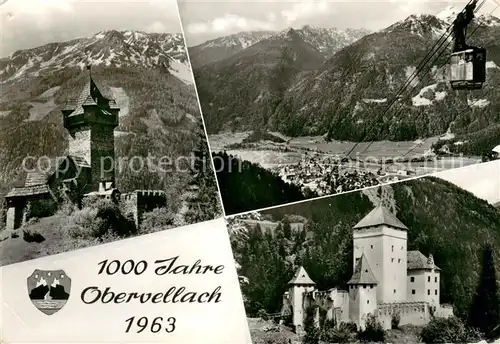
point(466, 108)
point(406, 84)
point(403, 88)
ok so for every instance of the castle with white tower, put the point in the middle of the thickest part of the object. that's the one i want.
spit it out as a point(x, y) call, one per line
point(388, 281)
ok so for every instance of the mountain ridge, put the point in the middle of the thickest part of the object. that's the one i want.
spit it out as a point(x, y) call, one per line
point(326, 40)
point(341, 97)
point(124, 48)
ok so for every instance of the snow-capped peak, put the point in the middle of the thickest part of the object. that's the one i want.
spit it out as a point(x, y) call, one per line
point(424, 25)
point(109, 48)
point(448, 14)
point(287, 33)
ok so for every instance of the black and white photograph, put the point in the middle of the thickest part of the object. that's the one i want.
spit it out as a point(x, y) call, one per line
point(416, 261)
point(101, 135)
point(311, 98)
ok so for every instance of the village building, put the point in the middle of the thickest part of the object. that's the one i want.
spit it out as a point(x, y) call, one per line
point(388, 281)
point(87, 170)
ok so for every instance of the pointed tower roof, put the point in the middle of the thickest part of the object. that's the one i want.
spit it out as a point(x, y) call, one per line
point(301, 278)
point(362, 273)
point(90, 95)
point(380, 216)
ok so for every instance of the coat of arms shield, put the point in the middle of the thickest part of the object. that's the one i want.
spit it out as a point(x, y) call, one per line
point(49, 290)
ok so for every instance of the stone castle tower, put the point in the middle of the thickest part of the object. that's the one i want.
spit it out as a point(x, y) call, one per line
point(299, 286)
point(90, 121)
point(362, 292)
point(382, 239)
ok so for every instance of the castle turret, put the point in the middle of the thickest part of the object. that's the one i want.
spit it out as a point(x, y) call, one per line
point(362, 292)
point(381, 237)
point(299, 285)
point(90, 121)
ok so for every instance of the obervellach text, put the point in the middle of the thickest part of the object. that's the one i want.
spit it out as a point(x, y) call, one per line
point(93, 294)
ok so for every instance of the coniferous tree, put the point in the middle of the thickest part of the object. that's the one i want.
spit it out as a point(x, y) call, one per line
point(485, 308)
point(205, 203)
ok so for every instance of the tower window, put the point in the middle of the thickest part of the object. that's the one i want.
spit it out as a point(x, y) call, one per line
point(392, 248)
point(428, 278)
point(412, 279)
point(371, 246)
point(428, 292)
point(367, 301)
point(435, 292)
point(435, 279)
point(394, 291)
point(392, 260)
point(399, 260)
point(413, 291)
point(401, 248)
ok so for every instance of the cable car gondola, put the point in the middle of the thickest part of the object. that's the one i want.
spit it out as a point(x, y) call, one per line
point(468, 69)
point(467, 64)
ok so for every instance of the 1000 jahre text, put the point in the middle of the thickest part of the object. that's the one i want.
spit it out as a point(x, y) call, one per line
point(168, 294)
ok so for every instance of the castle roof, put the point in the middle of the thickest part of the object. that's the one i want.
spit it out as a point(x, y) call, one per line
point(79, 161)
point(28, 191)
point(418, 261)
point(90, 95)
point(380, 216)
point(36, 182)
point(301, 278)
point(362, 273)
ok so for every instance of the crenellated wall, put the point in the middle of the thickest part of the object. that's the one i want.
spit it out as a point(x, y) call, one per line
point(415, 313)
point(140, 201)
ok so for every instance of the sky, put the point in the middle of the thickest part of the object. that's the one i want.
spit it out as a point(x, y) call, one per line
point(483, 180)
point(207, 19)
point(30, 23)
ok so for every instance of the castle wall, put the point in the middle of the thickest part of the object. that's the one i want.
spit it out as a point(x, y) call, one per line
point(416, 286)
point(341, 304)
point(415, 313)
point(129, 201)
point(444, 311)
point(423, 286)
point(102, 154)
point(14, 217)
point(386, 251)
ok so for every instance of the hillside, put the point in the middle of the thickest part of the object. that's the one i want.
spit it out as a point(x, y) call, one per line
point(147, 74)
point(326, 40)
point(345, 95)
point(443, 219)
point(245, 186)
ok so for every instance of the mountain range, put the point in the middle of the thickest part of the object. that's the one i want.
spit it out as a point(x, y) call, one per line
point(286, 83)
point(327, 41)
point(148, 75)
